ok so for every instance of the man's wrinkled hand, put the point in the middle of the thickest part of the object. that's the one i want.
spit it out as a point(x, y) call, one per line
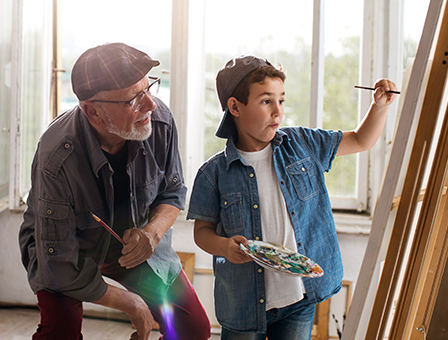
point(143, 322)
point(139, 247)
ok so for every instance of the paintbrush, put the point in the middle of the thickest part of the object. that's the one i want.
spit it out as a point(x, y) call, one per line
point(373, 89)
point(109, 229)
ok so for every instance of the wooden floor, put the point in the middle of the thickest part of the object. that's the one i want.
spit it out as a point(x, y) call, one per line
point(20, 324)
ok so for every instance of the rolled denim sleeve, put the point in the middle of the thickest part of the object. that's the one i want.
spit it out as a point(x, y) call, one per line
point(204, 200)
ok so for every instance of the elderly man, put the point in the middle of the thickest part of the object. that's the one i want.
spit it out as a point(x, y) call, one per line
point(114, 155)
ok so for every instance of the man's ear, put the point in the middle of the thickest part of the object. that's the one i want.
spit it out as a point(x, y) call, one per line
point(233, 105)
point(91, 113)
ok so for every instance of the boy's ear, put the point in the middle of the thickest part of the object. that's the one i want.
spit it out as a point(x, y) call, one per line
point(232, 104)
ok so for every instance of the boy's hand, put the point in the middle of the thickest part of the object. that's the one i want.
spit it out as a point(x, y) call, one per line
point(234, 253)
point(381, 97)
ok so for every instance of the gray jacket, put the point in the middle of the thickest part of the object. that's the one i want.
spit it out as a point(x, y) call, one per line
point(62, 246)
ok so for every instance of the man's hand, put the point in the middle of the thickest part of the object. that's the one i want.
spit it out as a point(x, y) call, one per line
point(134, 306)
point(140, 245)
point(143, 322)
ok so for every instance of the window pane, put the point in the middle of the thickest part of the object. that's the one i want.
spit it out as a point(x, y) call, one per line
point(342, 46)
point(415, 12)
point(280, 32)
point(144, 24)
point(36, 67)
point(5, 93)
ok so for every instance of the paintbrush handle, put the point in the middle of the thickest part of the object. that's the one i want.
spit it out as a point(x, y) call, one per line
point(109, 229)
point(373, 89)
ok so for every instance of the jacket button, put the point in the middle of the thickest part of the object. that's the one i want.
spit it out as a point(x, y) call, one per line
point(67, 145)
point(49, 212)
point(299, 244)
point(261, 300)
point(257, 238)
point(225, 203)
point(303, 169)
point(255, 206)
point(175, 179)
point(251, 175)
point(260, 270)
point(51, 250)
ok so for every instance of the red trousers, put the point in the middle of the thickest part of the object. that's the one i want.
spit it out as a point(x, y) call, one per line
point(176, 308)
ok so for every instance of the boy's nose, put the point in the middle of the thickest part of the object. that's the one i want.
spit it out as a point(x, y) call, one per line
point(277, 110)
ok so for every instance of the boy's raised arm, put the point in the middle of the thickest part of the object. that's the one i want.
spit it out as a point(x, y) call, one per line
point(208, 240)
point(369, 130)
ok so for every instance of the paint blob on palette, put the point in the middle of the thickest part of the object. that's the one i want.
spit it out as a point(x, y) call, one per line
point(281, 259)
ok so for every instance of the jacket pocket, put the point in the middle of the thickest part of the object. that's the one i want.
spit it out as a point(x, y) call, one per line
point(145, 195)
point(232, 213)
point(303, 177)
point(51, 214)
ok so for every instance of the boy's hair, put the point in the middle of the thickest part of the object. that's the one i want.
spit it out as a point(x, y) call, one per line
point(241, 92)
point(234, 80)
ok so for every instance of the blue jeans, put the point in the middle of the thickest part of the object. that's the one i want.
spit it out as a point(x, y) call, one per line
point(293, 322)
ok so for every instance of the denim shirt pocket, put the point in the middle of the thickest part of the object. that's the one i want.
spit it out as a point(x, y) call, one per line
point(303, 177)
point(51, 214)
point(232, 213)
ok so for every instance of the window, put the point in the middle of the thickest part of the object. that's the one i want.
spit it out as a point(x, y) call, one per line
point(281, 33)
point(5, 94)
point(321, 56)
point(145, 25)
point(25, 62)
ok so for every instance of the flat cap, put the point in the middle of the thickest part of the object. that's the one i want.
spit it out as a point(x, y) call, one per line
point(109, 67)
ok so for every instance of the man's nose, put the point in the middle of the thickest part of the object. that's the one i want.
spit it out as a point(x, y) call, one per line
point(148, 103)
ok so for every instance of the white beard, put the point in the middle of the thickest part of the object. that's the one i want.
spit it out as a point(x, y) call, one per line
point(140, 134)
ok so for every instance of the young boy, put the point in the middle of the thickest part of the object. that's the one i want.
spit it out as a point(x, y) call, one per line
point(268, 184)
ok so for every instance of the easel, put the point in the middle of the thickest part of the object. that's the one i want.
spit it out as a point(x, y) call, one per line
point(427, 255)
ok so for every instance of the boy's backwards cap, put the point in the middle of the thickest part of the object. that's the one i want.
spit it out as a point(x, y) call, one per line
point(227, 79)
point(109, 67)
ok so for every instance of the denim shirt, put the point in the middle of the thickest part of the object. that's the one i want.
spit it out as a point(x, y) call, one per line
point(62, 246)
point(225, 193)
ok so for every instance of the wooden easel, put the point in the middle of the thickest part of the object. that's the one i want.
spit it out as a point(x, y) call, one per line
point(427, 252)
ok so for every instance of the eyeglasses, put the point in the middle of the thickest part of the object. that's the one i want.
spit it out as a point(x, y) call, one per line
point(137, 102)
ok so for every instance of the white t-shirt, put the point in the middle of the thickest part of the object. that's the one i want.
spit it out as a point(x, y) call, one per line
point(281, 289)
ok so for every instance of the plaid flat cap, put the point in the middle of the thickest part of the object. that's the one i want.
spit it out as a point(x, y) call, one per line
point(109, 67)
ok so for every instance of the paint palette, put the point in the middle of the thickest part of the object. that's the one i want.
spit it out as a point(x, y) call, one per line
point(281, 259)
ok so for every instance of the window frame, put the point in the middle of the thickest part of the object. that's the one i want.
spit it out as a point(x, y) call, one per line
point(17, 191)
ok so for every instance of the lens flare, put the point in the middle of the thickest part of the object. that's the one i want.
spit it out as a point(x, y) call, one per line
point(167, 314)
